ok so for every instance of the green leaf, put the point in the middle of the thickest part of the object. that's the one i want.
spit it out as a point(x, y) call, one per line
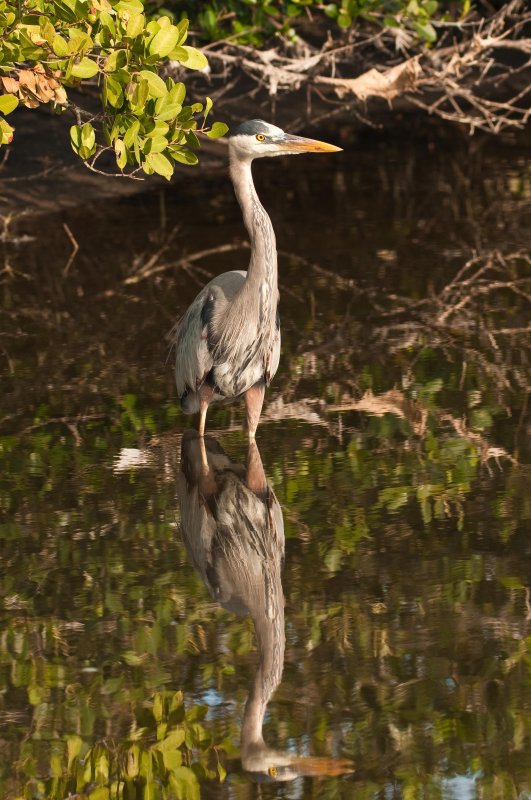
point(112, 92)
point(178, 93)
point(60, 46)
point(80, 43)
point(208, 107)
point(391, 22)
point(160, 128)
point(160, 164)
point(84, 69)
point(35, 695)
point(152, 27)
point(47, 29)
point(88, 136)
point(75, 137)
point(6, 132)
point(190, 57)
point(182, 27)
point(133, 761)
point(185, 784)
point(157, 87)
point(184, 157)
point(168, 112)
point(135, 25)
point(107, 22)
point(172, 741)
point(151, 791)
point(155, 144)
point(132, 6)
point(344, 20)
point(140, 97)
point(172, 759)
point(217, 130)
point(164, 42)
point(426, 31)
point(101, 793)
point(73, 746)
point(8, 103)
point(158, 707)
point(192, 140)
point(130, 657)
point(115, 61)
point(132, 133)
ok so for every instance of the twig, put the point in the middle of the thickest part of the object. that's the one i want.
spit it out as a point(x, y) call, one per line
point(91, 165)
point(37, 175)
point(75, 249)
point(70, 422)
point(185, 262)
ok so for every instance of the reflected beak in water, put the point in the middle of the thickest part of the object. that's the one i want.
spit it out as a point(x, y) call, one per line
point(299, 144)
point(322, 767)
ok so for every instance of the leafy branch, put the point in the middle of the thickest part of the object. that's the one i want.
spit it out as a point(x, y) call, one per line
point(54, 46)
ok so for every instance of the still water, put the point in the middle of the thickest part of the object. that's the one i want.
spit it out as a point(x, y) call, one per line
point(356, 590)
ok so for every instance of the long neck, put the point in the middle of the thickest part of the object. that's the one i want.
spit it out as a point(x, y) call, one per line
point(263, 264)
point(269, 627)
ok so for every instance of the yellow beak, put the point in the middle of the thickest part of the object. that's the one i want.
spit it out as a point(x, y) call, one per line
point(299, 144)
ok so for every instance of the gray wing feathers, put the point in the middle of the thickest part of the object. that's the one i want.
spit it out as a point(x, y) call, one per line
point(193, 357)
point(275, 356)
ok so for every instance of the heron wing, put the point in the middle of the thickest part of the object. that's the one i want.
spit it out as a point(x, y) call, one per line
point(274, 358)
point(193, 335)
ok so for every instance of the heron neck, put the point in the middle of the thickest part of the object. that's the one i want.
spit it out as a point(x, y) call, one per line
point(269, 627)
point(263, 263)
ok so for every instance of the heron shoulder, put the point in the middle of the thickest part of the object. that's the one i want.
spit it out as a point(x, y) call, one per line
point(228, 283)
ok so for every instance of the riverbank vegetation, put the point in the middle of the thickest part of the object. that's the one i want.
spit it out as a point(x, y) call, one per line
point(122, 71)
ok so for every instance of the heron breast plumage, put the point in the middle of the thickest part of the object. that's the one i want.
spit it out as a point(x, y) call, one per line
point(219, 342)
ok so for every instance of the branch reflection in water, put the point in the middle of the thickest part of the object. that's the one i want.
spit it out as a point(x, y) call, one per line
point(233, 530)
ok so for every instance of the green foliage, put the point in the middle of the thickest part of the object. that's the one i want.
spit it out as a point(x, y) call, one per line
point(165, 754)
point(120, 48)
point(253, 22)
point(48, 47)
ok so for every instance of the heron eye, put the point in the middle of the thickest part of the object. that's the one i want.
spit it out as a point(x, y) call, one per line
point(272, 771)
point(260, 137)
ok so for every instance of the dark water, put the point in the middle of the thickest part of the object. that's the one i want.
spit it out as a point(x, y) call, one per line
point(395, 438)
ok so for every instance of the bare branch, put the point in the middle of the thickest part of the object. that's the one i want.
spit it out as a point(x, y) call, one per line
point(75, 249)
point(466, 78)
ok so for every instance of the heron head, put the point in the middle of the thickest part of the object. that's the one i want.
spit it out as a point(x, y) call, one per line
point(256, 139)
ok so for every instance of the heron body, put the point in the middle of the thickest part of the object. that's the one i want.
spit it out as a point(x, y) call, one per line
point(227, 344)
point(233, 531)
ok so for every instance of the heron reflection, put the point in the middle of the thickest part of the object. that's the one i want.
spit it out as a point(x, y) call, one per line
point(233, 530)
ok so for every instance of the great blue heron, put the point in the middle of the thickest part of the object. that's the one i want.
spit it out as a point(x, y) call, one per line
point(227, 344)
point(234, 533)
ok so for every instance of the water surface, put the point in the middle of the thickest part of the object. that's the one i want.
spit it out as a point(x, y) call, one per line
point(395, 438)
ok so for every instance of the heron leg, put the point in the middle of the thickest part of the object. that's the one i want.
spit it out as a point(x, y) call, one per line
point(203, 408)
point(205, 396)
point(204, 462)
point(254, 400)
point(256, 479)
